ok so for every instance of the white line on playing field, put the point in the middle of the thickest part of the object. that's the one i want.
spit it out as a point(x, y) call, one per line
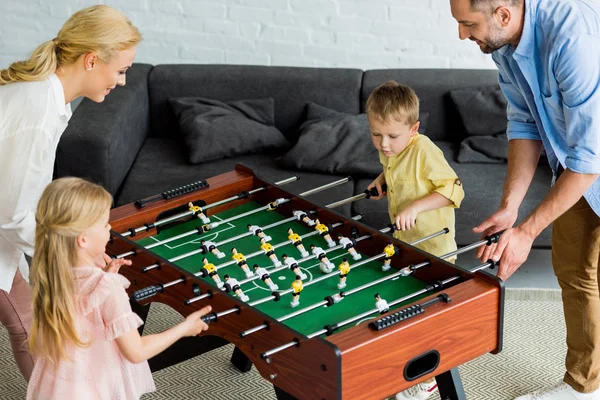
point(197, 240)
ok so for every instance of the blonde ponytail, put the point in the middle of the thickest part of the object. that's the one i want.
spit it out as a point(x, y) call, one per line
point(67, 208)
point(98, 29)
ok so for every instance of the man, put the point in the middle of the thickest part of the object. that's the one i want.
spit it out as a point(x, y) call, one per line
point(548, 57)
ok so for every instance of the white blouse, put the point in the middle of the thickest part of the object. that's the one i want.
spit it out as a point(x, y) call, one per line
point(33, 116)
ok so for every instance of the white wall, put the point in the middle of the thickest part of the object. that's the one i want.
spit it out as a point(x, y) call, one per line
point(362, 34)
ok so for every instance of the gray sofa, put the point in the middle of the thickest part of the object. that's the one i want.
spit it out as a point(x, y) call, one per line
point(131, 143)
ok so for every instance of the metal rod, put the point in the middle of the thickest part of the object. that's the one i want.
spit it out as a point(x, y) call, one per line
point(326, 186)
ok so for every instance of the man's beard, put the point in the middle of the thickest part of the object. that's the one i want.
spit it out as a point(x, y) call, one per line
point(494, 42)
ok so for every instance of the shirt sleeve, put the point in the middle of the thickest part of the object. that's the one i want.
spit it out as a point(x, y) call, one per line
point(442, 176)
point(521, 124)
point(22, 184)
point(578, 77)
point(115, 310)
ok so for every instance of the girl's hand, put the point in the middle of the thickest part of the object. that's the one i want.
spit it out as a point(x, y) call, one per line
point(378, 183)
point(114, 265)
point(193, 325)
point(407, 218)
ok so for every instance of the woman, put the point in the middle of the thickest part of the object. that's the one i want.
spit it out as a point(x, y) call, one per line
point(89, 57)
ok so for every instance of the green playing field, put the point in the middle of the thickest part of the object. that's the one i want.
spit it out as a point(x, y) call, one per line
point(306, 323)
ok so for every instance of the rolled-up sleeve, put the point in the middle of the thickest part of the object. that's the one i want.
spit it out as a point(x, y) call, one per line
point(521, 124)
point(578, 77)
point(442, 177)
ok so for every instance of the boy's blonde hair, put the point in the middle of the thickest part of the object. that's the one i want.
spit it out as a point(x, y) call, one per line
point(98, 29)
point(68, 207)
point(393, 101)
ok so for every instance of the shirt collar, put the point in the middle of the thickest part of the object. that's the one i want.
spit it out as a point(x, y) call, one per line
point(526, 43)
point(64, 110)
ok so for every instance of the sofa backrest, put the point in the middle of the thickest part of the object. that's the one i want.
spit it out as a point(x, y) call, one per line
point(291, 88)
point(432, 87)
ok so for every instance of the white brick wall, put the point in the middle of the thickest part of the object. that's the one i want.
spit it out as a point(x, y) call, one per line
point(362, 34)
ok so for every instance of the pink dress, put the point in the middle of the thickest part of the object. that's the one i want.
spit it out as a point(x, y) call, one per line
point(100, 371)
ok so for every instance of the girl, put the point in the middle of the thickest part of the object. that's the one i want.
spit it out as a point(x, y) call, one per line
point(88, 57)
point(84, 333)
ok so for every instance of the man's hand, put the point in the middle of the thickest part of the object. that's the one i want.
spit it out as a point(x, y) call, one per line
point(512, 251)
point(501, 220)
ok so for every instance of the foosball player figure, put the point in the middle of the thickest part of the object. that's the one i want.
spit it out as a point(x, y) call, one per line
point(325, 265)
point(269, 251)
point(324, 232)
point(211, 247)
point(274, 204)
point(197, 210)
point(293, 264)
point(210, 270)
point(257, 230)
point(389, 252)
point(266, 278)
point(240, 259)
point(297, 288)
point(302, 216)
point(297, 241)
point(232, 285)
point(381, 304)
point(349, 245)
point(344, 268)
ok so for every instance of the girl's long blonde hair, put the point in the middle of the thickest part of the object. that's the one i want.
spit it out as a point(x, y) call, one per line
point(98, 29)
point(68, 207)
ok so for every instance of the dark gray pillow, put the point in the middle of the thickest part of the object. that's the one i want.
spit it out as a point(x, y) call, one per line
point(213, 129)
point(335, 143)
point(482, 109)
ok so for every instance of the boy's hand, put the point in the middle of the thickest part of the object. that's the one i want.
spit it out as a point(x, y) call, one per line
point(378, 183)
point(407, 218)
point(114, 265)
point(193, 325)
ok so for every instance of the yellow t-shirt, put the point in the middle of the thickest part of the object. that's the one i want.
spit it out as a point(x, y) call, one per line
point(267, 247)
point(210, 267)
point(297, 286)
point(418, 171)
point(344, 268)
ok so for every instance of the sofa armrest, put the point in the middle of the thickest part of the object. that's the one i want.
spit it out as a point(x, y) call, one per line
point(102, 140)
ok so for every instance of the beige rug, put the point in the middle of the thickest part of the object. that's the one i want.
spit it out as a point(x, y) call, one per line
point(533, 357)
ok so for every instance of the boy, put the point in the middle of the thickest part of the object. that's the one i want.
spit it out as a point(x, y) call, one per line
point(423, 190)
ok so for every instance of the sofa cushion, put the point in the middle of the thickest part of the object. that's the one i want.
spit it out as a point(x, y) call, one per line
point(335, 143)
point(162, 165)
point(213, 129)
point(291, 87)
point(481, 109)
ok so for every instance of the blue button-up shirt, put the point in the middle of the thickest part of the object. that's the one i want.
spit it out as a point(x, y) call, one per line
point(552, 84)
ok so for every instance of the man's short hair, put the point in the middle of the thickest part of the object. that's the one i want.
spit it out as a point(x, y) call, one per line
point(393, 101)
point(491, 5)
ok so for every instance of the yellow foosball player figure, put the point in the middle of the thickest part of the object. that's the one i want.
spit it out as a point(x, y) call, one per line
point(293, 264)
point(197, 210)
point(297, 241)
point(344, 268)
point(211, 247)
point(210, 270)
point(389, 252)
point(325, 265)
point(257, 230)
point(381, 304)
point(265, 277)
point(240, 259)
point(297, 287)
point(302, 216)
point(269, 251)
point(324, 232)
point(232, 285)
point(349, 245)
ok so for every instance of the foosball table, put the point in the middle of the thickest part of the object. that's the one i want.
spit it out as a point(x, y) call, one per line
point(324, 306)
